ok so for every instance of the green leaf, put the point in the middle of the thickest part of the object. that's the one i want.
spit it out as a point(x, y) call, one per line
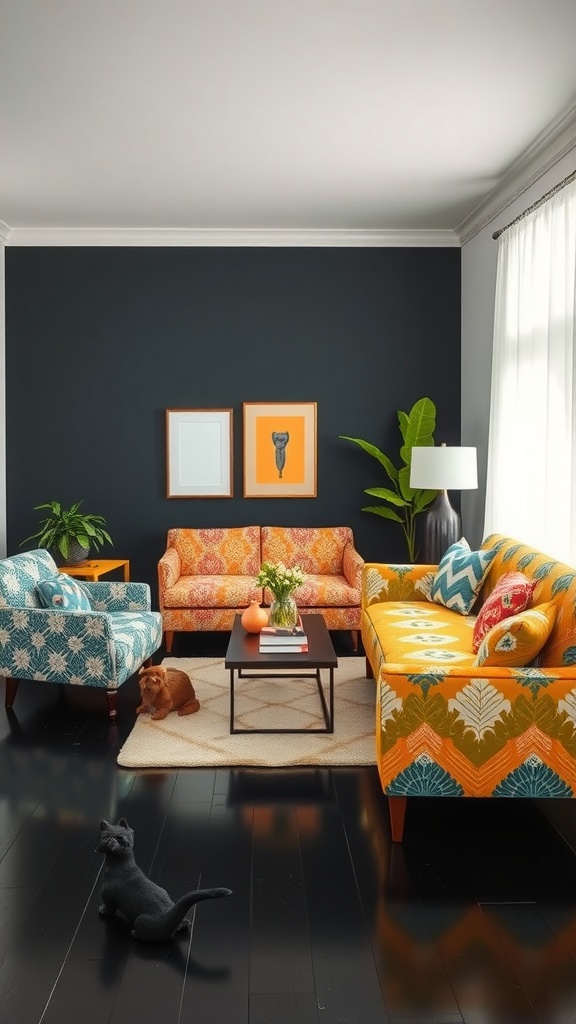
point(54, 507)
point(403, 421)
point(63, 525)
point(422, 422)
point(386, 494)
point(404, 483)
point(385, 513)
point(406, 452)
point(417, 429)
point(422, 499)
point(375, 452)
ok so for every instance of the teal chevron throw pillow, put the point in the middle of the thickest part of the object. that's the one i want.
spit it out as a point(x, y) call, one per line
point(62, 593)
point(460, 575)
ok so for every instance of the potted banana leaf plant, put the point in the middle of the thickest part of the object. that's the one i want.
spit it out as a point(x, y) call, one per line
point(403, 503)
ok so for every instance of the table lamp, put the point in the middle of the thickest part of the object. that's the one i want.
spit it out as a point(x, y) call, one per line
point(442, 469)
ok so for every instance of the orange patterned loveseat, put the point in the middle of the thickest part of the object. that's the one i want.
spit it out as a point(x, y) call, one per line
point(207, 576)
point(446, 726)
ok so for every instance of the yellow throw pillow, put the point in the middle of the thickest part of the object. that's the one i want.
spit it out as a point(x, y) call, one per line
point(516, 641)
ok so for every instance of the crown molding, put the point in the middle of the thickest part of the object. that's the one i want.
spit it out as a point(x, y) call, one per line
point(228, 237)
point(558, 139)
point(4, 233)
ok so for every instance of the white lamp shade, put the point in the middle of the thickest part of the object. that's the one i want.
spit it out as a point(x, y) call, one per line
point(444, 469)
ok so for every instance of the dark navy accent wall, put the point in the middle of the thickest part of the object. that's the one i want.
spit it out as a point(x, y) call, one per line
point(101, 341)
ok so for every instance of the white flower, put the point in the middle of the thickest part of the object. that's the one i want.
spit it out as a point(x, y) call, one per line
point(56, 622)
point(21, 659)
point(11, 582)
point(95, 667)
point(75, 644)
point(279, 579)
point(37, 640)
point(57, 662)
point(507, 642)
point(95, 626)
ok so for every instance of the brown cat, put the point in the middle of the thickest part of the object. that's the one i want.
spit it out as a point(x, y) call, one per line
point(164, 690)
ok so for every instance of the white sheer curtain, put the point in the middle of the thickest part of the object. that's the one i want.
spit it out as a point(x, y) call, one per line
point(531, 478)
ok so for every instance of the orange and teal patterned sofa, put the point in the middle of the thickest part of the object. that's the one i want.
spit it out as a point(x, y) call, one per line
point(207, 576)
point(452, 724)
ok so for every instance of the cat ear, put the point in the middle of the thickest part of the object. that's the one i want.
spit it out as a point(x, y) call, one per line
point(104, 823)
point(123, 823)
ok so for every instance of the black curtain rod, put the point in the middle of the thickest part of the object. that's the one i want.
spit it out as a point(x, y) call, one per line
point(539, 202)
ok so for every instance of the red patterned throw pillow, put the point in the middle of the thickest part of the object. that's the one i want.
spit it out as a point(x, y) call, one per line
point(512, 594)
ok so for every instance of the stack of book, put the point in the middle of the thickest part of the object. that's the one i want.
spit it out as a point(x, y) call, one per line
point(275, 640)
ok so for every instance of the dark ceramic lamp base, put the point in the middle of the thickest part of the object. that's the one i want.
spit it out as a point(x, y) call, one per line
point(442, 528)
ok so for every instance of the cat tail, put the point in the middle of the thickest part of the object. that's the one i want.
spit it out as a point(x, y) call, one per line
point(160, 927)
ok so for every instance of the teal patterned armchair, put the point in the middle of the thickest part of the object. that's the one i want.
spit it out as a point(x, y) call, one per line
point(101, 644)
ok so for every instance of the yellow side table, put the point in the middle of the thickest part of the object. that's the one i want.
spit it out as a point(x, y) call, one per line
point(93, 568)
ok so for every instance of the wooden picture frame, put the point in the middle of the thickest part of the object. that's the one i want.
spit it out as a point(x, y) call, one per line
point(281, 466)
point(199, 453)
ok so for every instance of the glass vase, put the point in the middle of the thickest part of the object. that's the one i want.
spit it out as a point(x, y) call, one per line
point(283, 612)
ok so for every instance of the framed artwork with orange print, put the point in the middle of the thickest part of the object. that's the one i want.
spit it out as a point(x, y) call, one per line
point(279, 449)
point(199, 453)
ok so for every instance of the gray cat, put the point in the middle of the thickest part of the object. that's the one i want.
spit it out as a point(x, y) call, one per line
point(148, 909)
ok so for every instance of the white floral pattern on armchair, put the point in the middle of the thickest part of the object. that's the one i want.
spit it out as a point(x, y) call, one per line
point(102, 647)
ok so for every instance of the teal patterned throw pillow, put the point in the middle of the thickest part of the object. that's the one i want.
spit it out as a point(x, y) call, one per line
point(62, 593)
point(460, 575)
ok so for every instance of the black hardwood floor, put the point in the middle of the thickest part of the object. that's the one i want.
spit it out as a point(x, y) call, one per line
point(472, 920)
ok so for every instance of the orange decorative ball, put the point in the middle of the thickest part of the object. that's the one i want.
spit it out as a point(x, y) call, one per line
point(254, 617)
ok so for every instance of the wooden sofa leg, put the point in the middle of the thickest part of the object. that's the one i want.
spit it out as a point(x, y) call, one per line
point(10, 693)
point(397, 811)
point(111, 696)
point(168, 640)
point(354, 633)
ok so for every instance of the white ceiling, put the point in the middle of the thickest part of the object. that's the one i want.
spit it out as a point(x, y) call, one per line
point(271, 115)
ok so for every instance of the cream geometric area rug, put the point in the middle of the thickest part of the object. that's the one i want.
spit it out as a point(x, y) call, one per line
point(204, 739)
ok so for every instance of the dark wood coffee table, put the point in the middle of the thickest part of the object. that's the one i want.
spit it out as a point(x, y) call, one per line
point(244, 658)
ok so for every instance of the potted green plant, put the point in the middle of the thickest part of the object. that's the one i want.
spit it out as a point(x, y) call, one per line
point(69, 534)
point(417, 429)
